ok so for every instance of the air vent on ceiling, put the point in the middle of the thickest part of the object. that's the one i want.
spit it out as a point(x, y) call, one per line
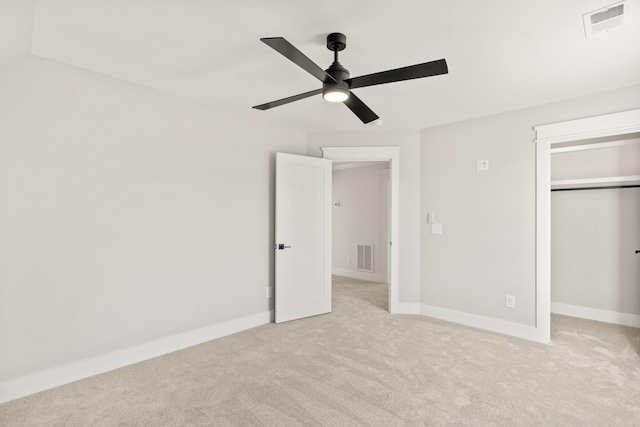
point(605, 19)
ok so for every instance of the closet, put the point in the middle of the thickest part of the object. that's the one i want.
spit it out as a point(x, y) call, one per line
point(595, 228)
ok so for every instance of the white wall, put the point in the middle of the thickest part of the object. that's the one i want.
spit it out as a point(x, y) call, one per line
point(621, 160)
point(361, 218)
point(126, 215)
point(488, 246)
point(16, 24)
point(594, 233)
point(408, 141)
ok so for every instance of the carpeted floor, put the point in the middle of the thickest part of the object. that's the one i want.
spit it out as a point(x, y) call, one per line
point(361, 365)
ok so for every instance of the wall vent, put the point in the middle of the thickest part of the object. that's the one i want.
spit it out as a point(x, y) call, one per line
point(364, 255)
point(607, 18)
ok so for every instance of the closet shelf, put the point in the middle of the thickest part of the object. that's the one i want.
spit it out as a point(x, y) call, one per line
point(611, 181)
point(601, 145)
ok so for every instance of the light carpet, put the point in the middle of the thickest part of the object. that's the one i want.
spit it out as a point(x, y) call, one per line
point(361, 366)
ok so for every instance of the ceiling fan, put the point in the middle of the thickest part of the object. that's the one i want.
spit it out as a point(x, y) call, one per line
point(336, 83)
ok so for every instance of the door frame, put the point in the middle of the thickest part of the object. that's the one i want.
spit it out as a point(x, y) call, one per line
point(389, 154)
point(547, 135)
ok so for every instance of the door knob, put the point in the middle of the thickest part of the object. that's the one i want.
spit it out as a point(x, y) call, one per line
point(282, 246)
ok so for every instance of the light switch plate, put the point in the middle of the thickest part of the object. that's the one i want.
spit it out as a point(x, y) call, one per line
point(431, 218)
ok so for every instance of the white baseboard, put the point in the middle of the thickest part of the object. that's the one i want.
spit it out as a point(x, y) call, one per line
point(360, 275)
point(494, 325)
point(406, 308)
point(596, 314)
point(43, 380)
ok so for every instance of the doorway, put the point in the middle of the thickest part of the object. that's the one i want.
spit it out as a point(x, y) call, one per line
point(616, 124)
point(360, 240)
point(391, 156)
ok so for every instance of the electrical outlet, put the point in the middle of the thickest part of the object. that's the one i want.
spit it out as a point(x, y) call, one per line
point(348, 260)
point(436, 228)
point(482, 165)
point(268, 292)
point(510, 301)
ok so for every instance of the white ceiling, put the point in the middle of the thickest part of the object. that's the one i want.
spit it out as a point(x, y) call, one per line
point(502, 54)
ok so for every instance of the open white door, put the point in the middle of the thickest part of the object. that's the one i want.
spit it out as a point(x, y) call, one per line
point(303, 237)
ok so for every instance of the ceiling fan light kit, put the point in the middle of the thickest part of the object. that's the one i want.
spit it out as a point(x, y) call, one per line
point(336, 81)
point(336, 89)
point(335, 94)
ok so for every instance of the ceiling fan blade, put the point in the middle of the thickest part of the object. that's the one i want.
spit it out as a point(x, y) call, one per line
point(283, 101)
point(427, 69)
point(293, 54)
point(360, 109)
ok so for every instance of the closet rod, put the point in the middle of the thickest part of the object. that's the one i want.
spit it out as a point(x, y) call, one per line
point(595, 188)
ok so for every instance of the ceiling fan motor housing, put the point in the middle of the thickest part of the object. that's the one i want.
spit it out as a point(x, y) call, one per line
point(339, 74)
